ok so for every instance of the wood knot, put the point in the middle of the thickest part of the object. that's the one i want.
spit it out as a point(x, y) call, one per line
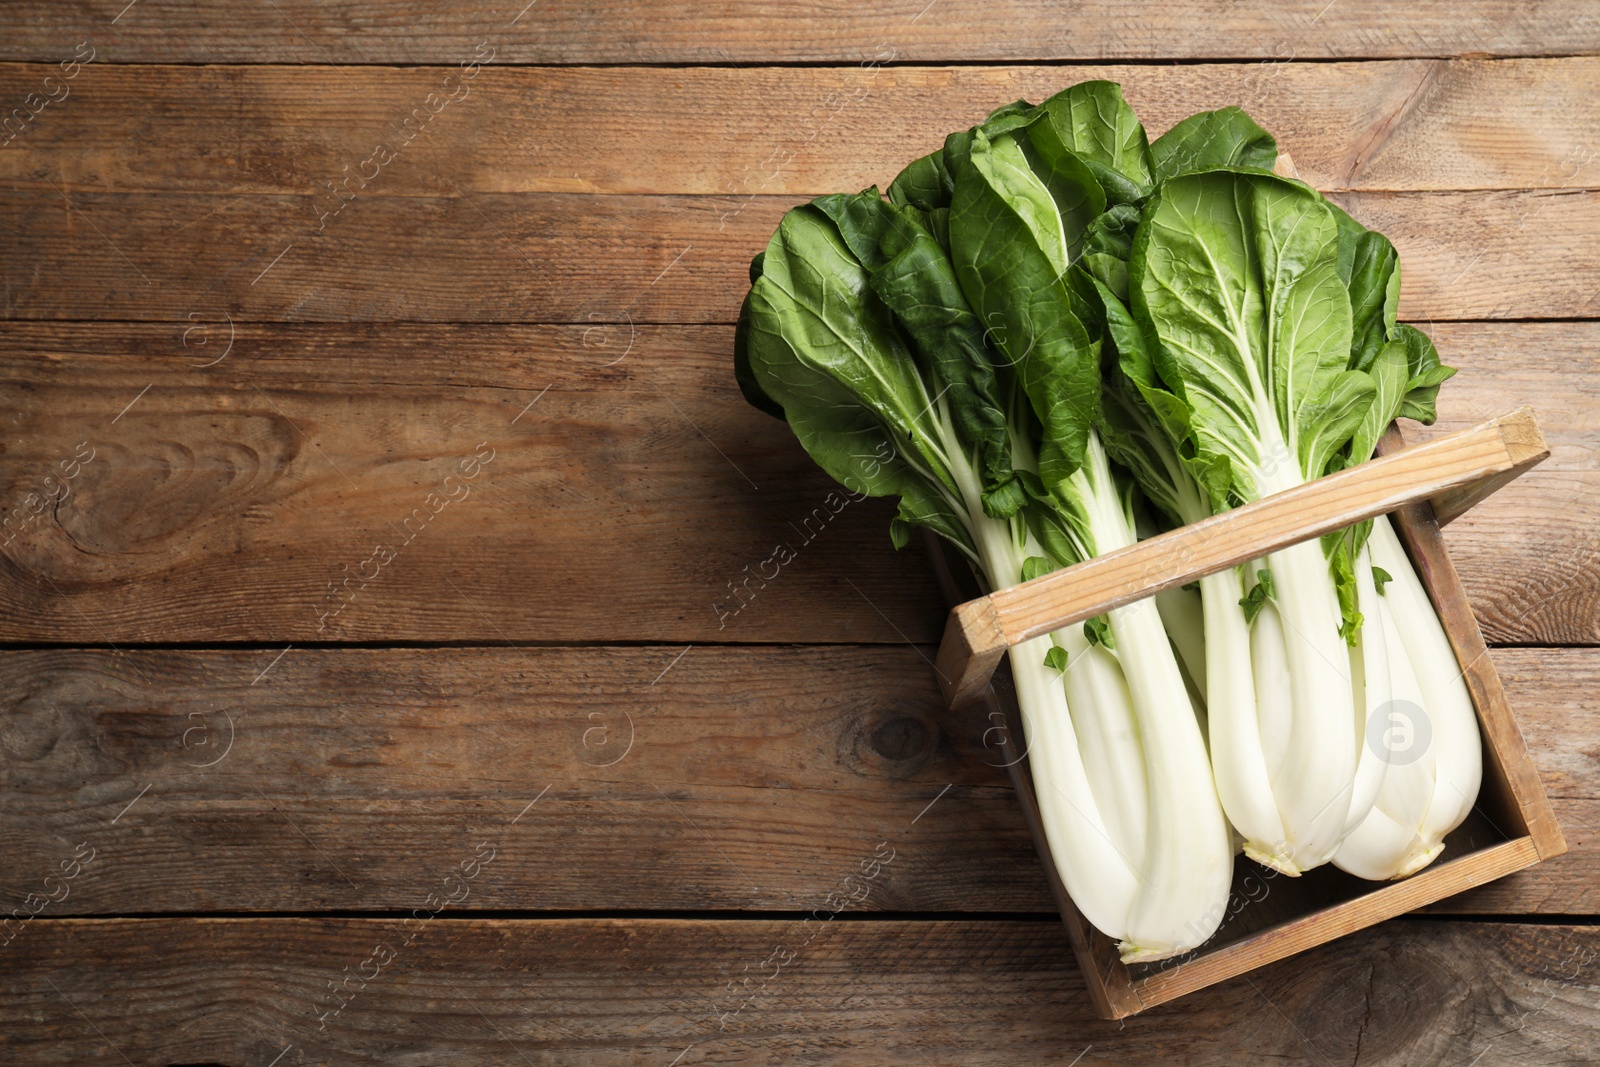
point(902, 739)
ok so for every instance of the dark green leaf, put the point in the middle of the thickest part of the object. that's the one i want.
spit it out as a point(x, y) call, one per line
point(1008, 118)
point(1406, 374)
point(1093, 122)
point(1011, 253)
point(1370, 269)
point(924, 185)
point(1143, 425)
point(1426, 375)
point(1107, 246)
point(1212, 139)
point(912, 274)
point(820, 345)
point(753, 393)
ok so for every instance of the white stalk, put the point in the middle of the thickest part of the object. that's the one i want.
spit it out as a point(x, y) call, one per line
point(1377, 848)
point(1108, 736)
point(1151, 870)
point(1237, 760)
point(1188, 857)
point(1314, 781)
point(1274, 702)
point(1373, 685)
point(1095, 865)
point(1187, 866)
point(1456, 742)
point(1386, 840)
point(1097, 871)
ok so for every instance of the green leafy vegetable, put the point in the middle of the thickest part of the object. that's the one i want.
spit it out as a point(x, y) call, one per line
point(1053, 333)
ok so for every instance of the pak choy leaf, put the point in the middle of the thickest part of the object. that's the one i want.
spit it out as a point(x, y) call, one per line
point(1036, 567)
point(1259, 594)
point(820, 345)
point(1210, 140)
point(742, 373)
point(1097, 631)
point(1145, 426)
point(927, 184)
point(1406, 374)
point(1108, 245)
point(1370, 269)
point(1011, 252)
point(924, 185)
point(1400, 359)
point(1236, 274)
point(1008, 118)
point(1092, 123)
point(911, 273)
point(1342, 564)
point(1381, 578)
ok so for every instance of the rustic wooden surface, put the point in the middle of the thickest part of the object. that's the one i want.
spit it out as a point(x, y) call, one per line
point(644, 991)
point(256, 778)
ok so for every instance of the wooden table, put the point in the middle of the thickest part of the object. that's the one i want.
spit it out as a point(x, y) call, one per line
point(374, 686)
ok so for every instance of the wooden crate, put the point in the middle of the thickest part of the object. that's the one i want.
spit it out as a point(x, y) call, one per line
point(1272, 916)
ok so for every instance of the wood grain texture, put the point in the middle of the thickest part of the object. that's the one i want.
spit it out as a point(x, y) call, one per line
point(755, 778)
point(706, 778)
point(550, 257)
point(245, 500)
point(270, 497)
point(1401, 125)
point(1557, 368)
point(660, 31)
point(613, 992)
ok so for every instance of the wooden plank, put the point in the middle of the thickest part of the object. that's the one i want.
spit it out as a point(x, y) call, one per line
point(1471, 264)
point(1553, 366)
point(277, 496)
point(1301, 933)
point(665, 778)
point(1399, 125)
point(1458, 469)
point(576, 258)
point(658, 31)
point(614, 992)
point(284, 465)
point(752, 775)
